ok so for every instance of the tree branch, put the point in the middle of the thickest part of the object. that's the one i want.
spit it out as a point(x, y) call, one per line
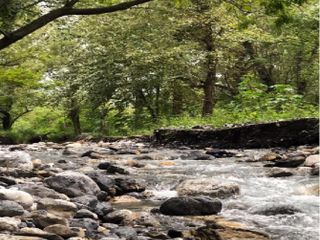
point(19, 116)
point(20, 33)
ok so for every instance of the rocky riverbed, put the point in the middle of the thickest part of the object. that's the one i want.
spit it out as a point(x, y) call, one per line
point(130, 190)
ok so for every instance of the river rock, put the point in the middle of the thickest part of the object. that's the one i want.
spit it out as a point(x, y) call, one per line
point(207, 187)
point(196, 155)
point(128, 185)
point(23, 198)
point(196, 206)
point(58, 207)
point(311, 160)
point(110, 168)
point(10, 209)
point(315, 170)
point(61, 230)
point(16, 159)
point(116, 186)
point(38, 233)
point(42, 219)
point(119, 216)
point(9, 224)
point(217, 232)
point(102, 208)
point(146, 219)
point(16, 237)
point(87, 223)
point(219, 153)
point(86, 201)
point(41, 191)
point(271, 209)
point(127, 233)
point(104, 182)
point(292, 160)
point(85, 213)
point(8, 180)
point(73, 184)
point(279, 172)
point(270, 157)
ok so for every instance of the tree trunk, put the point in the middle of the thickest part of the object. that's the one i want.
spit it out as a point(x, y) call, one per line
point(208, 85)
point(177, 99)
point(74, 115)
point(208, 89)
point(103, 114)
point(6, 120)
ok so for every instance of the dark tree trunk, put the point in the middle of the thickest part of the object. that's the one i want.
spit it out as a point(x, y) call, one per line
point(208, 85)
point(208, 89)
point(74, 115)
point(264, 72)
point(6, 120)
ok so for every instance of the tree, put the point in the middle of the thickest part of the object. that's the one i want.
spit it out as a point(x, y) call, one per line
point(58, 9)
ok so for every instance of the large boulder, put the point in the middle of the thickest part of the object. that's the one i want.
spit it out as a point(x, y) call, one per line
point(73, 184)
point(22, 198)
point(195, 206)
point(16, 159)
point(207, 187)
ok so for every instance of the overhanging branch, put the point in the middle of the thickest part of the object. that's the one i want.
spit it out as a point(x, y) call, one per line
point(67, 10)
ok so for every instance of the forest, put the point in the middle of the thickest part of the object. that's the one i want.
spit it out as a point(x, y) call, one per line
point(115, 68)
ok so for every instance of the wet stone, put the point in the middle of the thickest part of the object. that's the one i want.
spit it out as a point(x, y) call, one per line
point(279, 172)
point(270, 210)
point(196, 206)
point(110, 168)
point(196, 155)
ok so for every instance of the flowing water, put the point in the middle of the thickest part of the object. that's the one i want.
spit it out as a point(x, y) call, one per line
point(256, 190)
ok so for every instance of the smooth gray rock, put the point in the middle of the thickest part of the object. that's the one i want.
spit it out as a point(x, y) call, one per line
point(10, 209)
point(73, 184)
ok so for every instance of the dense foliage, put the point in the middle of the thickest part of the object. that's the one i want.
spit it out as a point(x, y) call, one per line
point(164, 63)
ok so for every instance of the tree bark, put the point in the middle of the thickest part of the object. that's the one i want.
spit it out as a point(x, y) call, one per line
point(74, 115)
point(67, 10)
point(208, 85)
point(6, 120)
